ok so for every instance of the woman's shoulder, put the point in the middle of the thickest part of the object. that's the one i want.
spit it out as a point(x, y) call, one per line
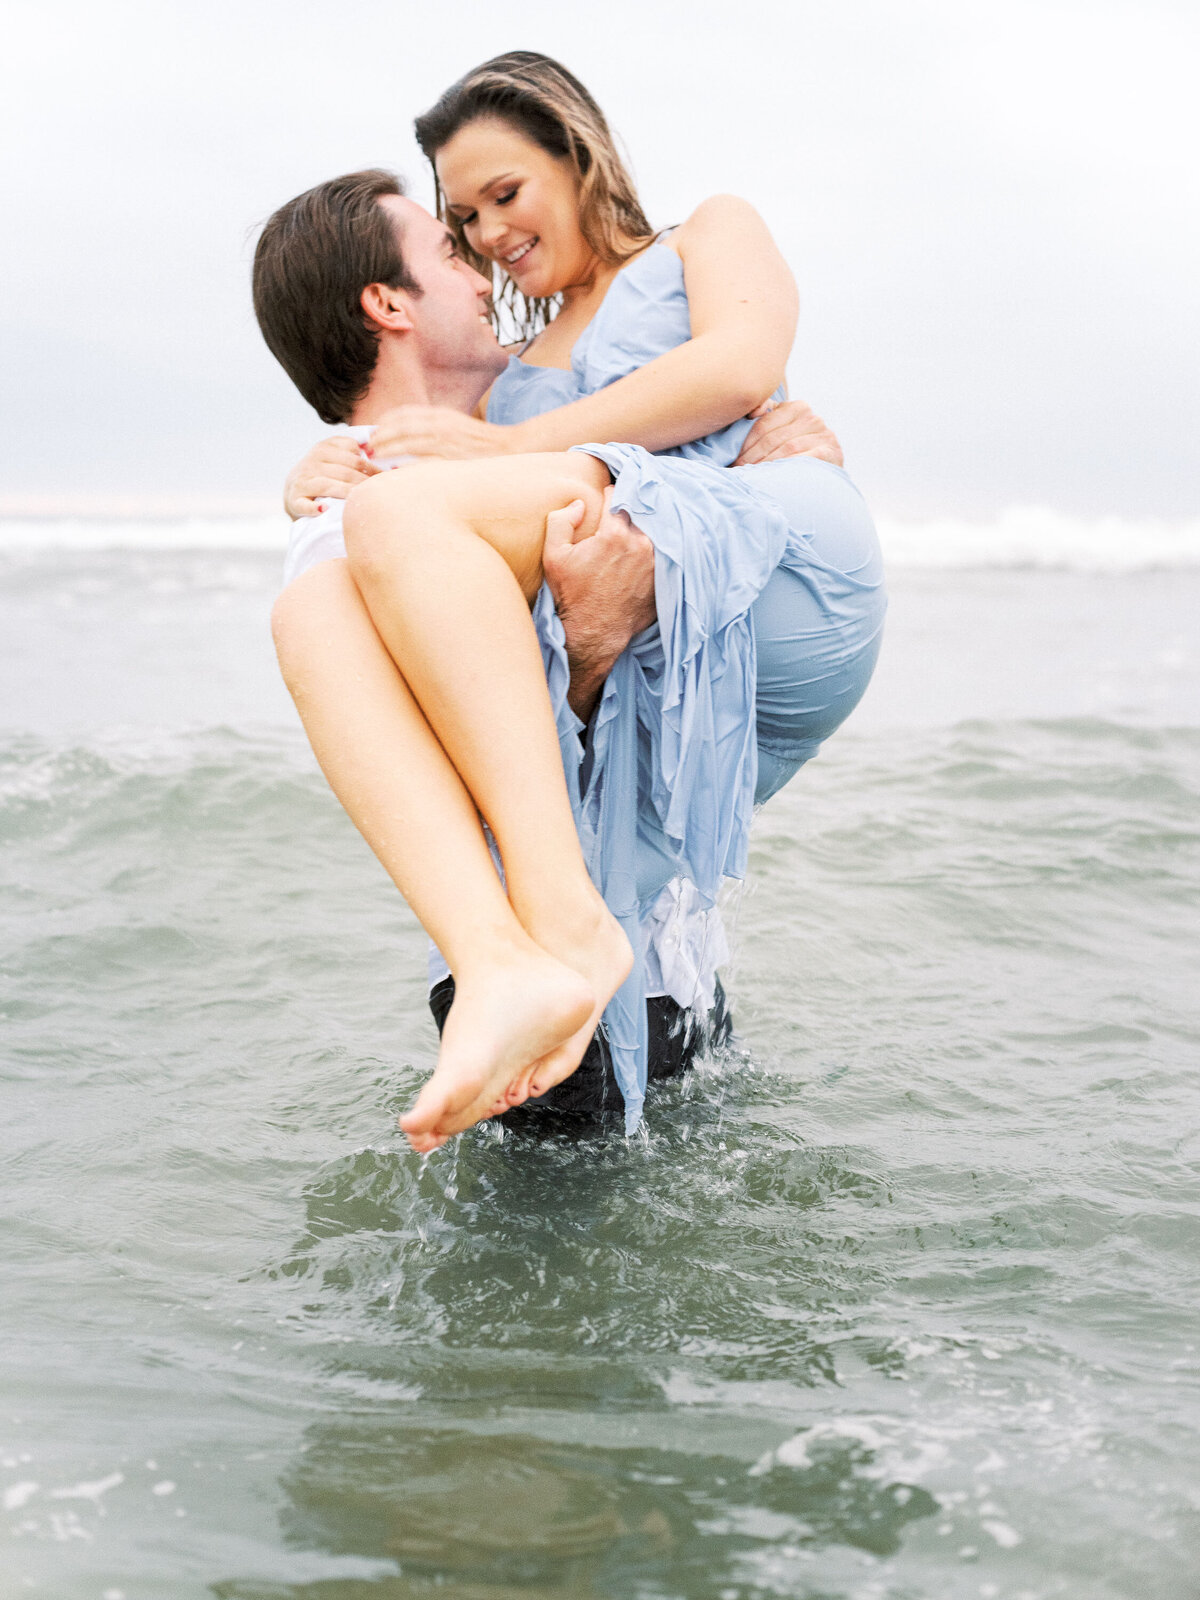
point(712, 219)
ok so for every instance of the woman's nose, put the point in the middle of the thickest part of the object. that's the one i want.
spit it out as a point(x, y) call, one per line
point(491, 234)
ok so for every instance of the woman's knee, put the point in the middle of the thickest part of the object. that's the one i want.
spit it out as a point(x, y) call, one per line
point(384, 514)
point(373, 511)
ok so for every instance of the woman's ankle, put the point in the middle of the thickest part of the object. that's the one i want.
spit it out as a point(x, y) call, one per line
point(574, 927)
point(489, 951)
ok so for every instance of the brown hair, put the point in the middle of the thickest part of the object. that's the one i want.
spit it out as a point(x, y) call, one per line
point(314, 258)
point(549, 105)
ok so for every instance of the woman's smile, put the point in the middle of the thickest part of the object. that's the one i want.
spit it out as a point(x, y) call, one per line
point(519, 254)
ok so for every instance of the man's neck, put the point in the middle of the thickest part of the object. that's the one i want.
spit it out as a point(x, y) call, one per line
point(399, 380)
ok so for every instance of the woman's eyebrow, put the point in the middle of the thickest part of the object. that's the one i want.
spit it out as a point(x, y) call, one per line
point(495, 183)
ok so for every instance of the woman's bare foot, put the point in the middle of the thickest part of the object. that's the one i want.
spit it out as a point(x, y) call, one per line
point(604, 959)
point(506, 1017)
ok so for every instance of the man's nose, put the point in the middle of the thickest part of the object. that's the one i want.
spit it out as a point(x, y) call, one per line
point(482, 287)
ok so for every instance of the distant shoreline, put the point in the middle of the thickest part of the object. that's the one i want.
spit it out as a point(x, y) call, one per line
point(133, 507)
point(1018, 538)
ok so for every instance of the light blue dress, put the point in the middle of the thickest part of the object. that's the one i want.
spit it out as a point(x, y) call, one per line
point(779, 560)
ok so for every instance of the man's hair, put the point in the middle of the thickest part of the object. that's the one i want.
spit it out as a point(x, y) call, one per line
point(314, 258)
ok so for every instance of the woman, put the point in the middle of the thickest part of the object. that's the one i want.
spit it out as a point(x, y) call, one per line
point(666, 344)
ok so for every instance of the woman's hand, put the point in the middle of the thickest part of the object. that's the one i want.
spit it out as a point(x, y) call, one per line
point(788, 428)
point(439, 431)
point(328, 472)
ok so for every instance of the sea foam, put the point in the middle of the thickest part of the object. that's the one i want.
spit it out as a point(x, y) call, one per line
point(1022, 537)
point(83, 533)
point(1033, 537)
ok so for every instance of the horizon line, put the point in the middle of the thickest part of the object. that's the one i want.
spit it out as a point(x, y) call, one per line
point(135, 507)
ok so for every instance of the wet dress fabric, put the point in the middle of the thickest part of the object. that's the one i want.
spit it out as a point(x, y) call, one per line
point(770, 606)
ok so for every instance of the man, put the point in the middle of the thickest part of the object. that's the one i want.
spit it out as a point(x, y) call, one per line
point(361, 296)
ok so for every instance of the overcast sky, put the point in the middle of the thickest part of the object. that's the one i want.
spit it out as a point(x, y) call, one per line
point(992, 211)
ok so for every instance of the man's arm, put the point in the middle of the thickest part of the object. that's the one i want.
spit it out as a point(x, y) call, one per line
point(603, 588)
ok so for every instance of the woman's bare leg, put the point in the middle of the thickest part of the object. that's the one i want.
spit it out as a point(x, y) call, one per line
point(514, 1003)
point(448, 558)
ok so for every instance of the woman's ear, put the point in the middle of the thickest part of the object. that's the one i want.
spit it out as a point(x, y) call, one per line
point(386, 307)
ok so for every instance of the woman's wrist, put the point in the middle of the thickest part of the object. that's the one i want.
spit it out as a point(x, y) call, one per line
point(521, 438)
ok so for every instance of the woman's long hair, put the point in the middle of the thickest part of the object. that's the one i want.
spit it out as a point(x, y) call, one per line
point(550, 106)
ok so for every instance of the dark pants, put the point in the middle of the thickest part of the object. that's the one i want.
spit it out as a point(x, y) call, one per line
point(589, 1098)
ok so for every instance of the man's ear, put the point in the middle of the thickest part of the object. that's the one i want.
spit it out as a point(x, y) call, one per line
point(386, 307)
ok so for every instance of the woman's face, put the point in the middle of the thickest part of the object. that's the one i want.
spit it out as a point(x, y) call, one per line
point(518, 205)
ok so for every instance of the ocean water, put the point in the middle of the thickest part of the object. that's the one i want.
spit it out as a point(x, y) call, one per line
point(897, 1299)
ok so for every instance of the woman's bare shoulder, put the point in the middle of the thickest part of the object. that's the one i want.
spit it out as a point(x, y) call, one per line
point(713, 216)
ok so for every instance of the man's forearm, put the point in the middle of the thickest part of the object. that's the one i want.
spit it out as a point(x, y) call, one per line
point(603, 587)
point(590, 666)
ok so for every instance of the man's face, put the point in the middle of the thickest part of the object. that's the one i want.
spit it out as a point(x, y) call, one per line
point(450, 315)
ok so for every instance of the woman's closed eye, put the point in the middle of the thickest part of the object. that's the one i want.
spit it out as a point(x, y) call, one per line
point(468, 219)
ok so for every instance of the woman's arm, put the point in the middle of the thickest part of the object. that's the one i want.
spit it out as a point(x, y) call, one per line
point(743, 305)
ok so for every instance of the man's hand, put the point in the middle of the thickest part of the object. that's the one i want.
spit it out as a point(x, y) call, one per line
point(789, 428)
point(603, 588)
